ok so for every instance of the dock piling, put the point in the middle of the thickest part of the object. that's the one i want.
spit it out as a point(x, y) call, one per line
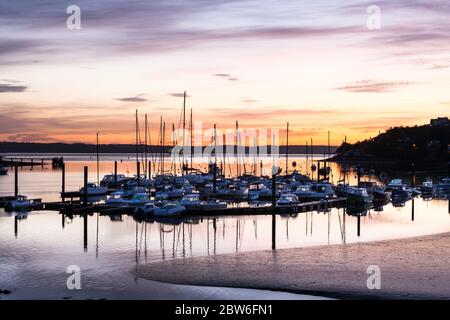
point(115, 172)
point(138, 167)
point(16, 181)
point(215, 178)
point(63, 182)
point(359, 225)
point(85, 233)
point(85, 184)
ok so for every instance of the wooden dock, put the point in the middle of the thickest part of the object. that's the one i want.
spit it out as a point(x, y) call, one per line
point(29, 161)
point(78, 207)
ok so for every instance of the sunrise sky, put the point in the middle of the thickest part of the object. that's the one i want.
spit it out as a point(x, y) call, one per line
point(313, 63)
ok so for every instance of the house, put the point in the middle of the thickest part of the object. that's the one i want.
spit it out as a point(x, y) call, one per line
point(440, 122)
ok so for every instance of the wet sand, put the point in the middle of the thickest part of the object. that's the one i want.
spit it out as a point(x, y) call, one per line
point(412, 268)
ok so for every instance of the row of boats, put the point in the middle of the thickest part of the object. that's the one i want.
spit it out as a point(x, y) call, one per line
point(172, 195)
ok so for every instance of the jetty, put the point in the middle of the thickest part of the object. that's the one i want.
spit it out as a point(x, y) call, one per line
point(81, 208)
point(30, 161)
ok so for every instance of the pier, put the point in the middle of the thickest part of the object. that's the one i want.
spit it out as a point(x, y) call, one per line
point(78, 207)
point(30, 161)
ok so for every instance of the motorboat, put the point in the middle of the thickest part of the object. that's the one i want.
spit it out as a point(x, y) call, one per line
point(21, 203)
point(398, 189)
point(132, 191)
point(444, 185)
point(378, 192)
point(171, 192)
point(287, 199)
point(193, 202)
point(3, 170)
point(427, 187)
point(93, 190)
point(111, 179)
point(303, 191)
point(355, 195)
point(258, 190)
point(315, 191)
point(116, 198)
point(139, 199)
point(170, 209)
point(233, 191)
point(395, 183)
point(147, 209)
point(198, 178)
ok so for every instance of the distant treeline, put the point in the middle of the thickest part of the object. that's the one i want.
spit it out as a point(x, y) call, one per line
point(29, 147)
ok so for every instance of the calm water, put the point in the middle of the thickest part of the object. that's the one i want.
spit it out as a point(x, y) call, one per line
point(37, 247)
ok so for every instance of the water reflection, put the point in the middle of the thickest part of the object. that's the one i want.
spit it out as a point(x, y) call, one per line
point(112, 244)
point(176, 237)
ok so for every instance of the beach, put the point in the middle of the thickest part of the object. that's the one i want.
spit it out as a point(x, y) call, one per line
point(410, 268)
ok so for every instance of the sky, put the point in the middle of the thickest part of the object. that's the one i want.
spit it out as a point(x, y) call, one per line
point(317, 64)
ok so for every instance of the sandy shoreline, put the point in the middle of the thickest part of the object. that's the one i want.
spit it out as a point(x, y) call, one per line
point(412, 268)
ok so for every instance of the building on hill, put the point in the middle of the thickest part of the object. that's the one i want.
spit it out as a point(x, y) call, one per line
point(440, 122)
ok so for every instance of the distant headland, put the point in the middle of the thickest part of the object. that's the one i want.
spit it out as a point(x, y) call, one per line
point(425, 146)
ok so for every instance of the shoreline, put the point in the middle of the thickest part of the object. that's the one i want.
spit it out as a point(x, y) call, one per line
point(411, 268)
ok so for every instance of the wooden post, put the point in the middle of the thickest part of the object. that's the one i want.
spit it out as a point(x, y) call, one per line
point(138, 164)
point(85, 231)
point(274, 186)
point(273, 211)
point(63, 182)
point(260, 168)
point(16, 181)
point(318, 171)
point(359, 225)
point(63, 220)
point(215, 178)
point(413, 175)
point(115, 173)
point(16, 222)
point(412, 209)
point(85, 184)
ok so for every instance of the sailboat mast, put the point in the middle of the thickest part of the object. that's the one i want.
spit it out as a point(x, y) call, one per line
point(307, 156)
point(146, 142)
point(173, 146)
point(184, 129)
point(160, 144)
point(192, 137)
point(98, 178)
point(137, 143)
point(224, 155)
point(287, 147)
point(237, 150)
point(329, 144)
point(215, 145)
point(163, 145)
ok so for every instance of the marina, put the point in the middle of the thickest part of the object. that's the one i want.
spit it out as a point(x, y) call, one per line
point(224, 150)
point(117, 240)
